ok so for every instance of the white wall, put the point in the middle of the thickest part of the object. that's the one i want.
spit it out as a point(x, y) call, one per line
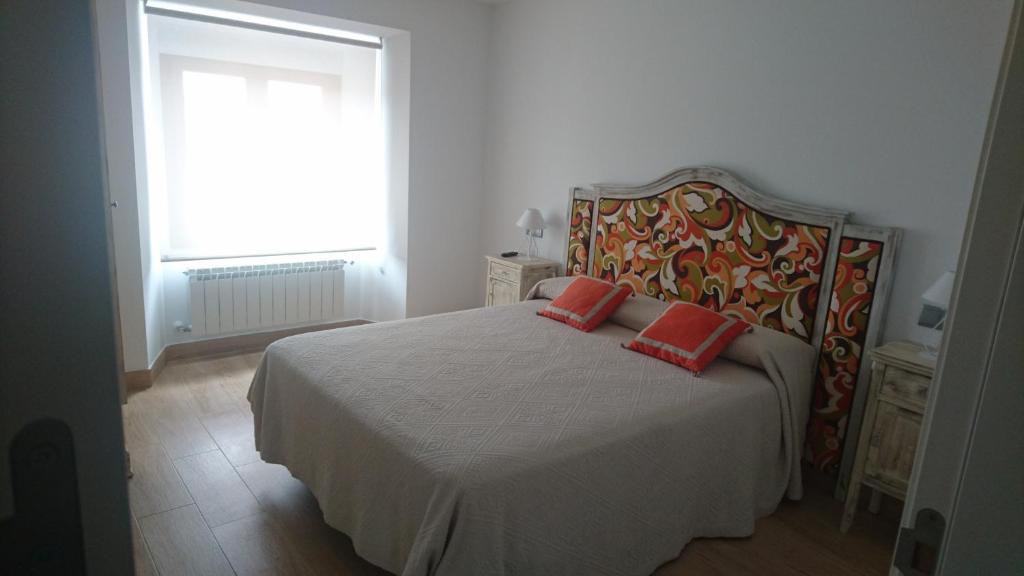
point(138, 289)
point(152, 274)
point(448, 45)
point(875, 107)
point(878, 108)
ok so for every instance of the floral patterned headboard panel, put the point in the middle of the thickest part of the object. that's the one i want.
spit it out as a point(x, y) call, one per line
point(855, 320)
point(698, 243)
point(580, 219)
point(700, 235)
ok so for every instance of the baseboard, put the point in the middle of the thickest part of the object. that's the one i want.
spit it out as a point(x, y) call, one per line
point(242, 343)
point(141, 379)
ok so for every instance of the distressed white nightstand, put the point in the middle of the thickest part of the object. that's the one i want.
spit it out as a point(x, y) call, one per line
point(900, 378)
point(509, 279)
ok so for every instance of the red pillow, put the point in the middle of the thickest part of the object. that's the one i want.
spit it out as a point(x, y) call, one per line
point(688, 335)
point(586, 302)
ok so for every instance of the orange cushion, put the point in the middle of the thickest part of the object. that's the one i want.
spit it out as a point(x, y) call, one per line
point(688, 335)
point(586, 302)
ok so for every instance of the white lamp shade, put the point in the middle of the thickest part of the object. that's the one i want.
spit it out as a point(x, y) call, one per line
point(531, 220)
point(938, 294)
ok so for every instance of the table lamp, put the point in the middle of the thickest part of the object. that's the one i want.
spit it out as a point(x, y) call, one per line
point(935, 304)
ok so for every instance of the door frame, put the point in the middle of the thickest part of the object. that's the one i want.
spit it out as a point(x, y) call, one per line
point(978, 335)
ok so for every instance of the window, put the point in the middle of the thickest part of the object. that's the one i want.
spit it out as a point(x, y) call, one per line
point(266, 143)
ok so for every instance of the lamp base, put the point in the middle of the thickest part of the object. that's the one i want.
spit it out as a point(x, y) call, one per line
point(531, 251)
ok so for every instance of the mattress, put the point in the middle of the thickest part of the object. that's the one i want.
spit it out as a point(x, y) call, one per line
point(495, 441)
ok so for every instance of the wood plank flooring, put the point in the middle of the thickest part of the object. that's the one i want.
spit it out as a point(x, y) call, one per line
point(204, 503)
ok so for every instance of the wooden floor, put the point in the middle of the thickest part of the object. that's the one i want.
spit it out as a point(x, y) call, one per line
point(204, 503)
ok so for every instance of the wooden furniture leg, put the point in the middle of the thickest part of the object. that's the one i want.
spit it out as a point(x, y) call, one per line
point(875, 504)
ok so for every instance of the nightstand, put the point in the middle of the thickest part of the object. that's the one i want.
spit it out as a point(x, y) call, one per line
point(900, 378)
point(509, 279)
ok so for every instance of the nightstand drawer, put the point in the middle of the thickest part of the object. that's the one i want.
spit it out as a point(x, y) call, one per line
point(902, 385)
point(506, 273)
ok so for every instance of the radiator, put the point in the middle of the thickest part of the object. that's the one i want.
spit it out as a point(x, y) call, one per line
point(252, 298)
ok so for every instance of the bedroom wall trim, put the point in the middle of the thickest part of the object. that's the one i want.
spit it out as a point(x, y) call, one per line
point(137, 380)
point(243, 343)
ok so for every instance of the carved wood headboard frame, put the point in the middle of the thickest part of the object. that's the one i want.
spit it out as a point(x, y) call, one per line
point(700, 235)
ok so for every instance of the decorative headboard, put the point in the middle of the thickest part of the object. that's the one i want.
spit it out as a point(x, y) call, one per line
point(700, 235)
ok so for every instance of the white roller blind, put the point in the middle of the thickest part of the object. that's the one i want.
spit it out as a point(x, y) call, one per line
point(271, 145)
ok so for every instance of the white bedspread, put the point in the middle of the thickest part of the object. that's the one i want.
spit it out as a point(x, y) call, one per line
point(494, 441)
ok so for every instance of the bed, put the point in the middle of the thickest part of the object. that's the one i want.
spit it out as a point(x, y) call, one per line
point(495, 441)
